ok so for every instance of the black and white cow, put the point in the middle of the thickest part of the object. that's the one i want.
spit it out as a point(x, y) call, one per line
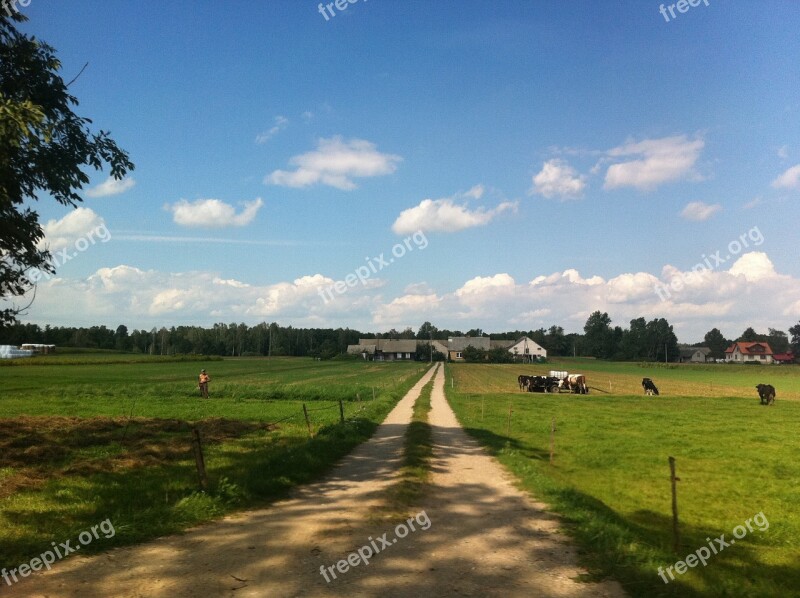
point(650, 388)
point(766, 393)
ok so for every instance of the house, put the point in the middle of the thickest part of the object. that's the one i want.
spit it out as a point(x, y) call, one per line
point(456, 345)
point(749, 352)
point(694, 355)
point(527, 351)
point(382, 349)
point(783, 358)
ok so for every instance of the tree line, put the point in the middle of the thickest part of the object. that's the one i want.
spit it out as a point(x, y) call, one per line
point(642, 340)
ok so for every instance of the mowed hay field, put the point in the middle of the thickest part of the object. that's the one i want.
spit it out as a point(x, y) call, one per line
point(84, 439)
point(610, 476)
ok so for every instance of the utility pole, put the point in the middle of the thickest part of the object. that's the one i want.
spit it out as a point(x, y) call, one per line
point(430, 345)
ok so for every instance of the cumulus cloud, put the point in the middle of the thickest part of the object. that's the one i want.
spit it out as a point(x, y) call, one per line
point(558, 179)
point(789, 179)
point(111, 186)
point(335, 163)
point(449, 214)
point(698, 211)
point(213, 213)
point(750, 292)
point(654, 162)
point(281, 122)
point(65, 231)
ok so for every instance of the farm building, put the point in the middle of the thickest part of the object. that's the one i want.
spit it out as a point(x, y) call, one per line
point(752, 352)
point(783, 358)
point(527, 351)
point(381, 349)
point(695, 355)
point(456, 345)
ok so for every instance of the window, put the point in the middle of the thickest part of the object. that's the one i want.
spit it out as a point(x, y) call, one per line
point(408, 355)
point(399, 356)
point(458, 354)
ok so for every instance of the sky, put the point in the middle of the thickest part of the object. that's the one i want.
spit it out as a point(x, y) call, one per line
point(377, 164)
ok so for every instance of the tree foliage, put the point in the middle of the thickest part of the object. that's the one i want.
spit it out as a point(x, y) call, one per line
point(44, 149)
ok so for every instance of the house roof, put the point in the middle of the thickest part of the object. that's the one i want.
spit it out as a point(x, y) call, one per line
point(358, 349)
point(750, 348)
point(783, 356)
point(390, 345)
point(399, 346)
point(459, 343)
point(501, 344)
point(689, 351)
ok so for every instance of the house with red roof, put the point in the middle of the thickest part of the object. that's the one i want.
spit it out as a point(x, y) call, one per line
point(752, 352)
point(784, 358)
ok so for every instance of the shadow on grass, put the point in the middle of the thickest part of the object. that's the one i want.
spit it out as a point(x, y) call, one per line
point(631, 548)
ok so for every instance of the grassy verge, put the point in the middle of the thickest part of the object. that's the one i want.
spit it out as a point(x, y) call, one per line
point(60, 475)
point(610, 480)
point(414, 476)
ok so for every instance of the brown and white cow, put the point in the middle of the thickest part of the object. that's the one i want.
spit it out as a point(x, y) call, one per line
point(575, 383)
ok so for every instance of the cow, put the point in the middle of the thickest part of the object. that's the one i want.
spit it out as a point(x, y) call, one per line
point(650, 388)
point(524, 381)
point(766, 393)
point(576, 383)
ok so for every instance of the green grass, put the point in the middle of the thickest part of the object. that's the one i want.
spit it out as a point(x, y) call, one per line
point(610, 477)
point(83, 443)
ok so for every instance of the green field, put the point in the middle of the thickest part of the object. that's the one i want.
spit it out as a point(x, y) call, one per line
point(82, 441)
point(610, 475)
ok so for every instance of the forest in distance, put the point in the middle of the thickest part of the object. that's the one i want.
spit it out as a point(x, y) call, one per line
point(642, 340)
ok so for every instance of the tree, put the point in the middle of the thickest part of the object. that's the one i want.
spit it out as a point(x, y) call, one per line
point(749, 336)
point(795, 332)
point(778, 341)
point(715, 341)
point(44, 149)
point(427, 331)
point(599, 337)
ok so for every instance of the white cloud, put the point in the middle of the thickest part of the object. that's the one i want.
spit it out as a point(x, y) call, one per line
point(558, 179)
point(213, 213)
point(335, 163)
point(281, 122)
point(445, 215)
point(657, 161)
point(789, 179)
point(111, 186)
point(750, 293)
point(64, 232)
point(698, 211)
point(754, 266)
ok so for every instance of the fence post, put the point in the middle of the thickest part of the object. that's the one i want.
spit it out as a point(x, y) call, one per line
point(510, 411)
point(552, 439)
point(673, 481)
point(341, 411)
point(198, 459)
point(308, 421)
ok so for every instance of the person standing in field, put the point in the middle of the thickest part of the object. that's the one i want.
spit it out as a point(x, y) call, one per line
point(204, 380)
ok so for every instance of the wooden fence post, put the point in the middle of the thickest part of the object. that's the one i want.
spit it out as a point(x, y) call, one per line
point(673, 481)
point(341, 411)
point(198, 458)
point(552, 439)
point(308, 421)
point(510, 411)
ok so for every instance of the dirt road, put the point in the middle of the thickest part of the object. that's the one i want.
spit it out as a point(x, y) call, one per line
point(475, 535)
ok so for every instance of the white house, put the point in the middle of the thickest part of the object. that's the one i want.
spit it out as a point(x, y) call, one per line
point(526, 350)
point(755, 352)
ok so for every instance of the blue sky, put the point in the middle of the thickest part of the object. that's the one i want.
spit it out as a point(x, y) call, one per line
point(556, 157)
